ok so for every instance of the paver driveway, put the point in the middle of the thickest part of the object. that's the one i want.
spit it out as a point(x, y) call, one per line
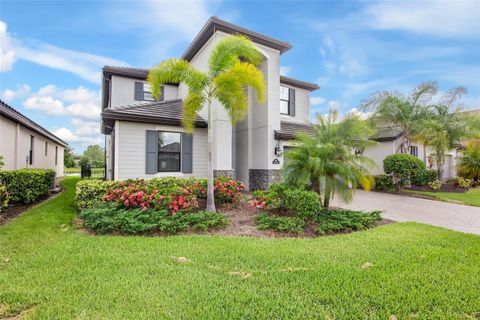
point(403, 208)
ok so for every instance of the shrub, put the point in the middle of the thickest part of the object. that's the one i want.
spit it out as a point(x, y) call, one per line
point(341, 220)
point(423, 177)
point(435, 185)
point(4, 197)
point(402, 167)
point(383, 182)
point(107, 218)
point(90, 192)
point(283, 198)
point(281, 224)
point(469, 166)
point(463, 183)
point(27, 185)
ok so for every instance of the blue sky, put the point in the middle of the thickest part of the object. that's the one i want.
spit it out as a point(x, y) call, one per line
point(52, 52)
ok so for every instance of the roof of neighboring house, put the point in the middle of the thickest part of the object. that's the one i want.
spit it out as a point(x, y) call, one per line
point(169, 112)
point(137, 73)
point(215, 24)
point(12, 114)
point(288, 130)
point(299, 83)
point(387, 134)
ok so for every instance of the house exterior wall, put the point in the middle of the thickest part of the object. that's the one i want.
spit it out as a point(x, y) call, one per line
point(15, 147)
point(130, 150)
point(123, 91)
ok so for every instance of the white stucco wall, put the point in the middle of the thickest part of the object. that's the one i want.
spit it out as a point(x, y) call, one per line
point(15, 147)
point(130, 150)
point(123, 91)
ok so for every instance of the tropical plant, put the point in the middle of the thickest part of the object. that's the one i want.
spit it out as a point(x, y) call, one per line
point(2, 163)
point(470, 162)
point(326, 162)
point(393, 109)
point(232, 66)
point(445, 127)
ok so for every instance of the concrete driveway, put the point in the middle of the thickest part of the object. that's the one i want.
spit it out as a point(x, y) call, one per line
point(403, 208)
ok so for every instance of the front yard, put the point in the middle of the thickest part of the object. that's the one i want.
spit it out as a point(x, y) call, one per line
point(49, 270)
point(471, 197)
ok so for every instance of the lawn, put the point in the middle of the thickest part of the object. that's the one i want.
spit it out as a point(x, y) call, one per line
point(96, 172)
point(471, 197)
point(409, 270)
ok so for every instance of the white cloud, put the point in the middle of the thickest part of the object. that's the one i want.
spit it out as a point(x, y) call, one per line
point(81, 132)
point(85, 65)
point(441, 18)
point(21, 92)
point(315, 101)
point(45, 104)
point(284, 70)
point(334, 105)
point(329, 44)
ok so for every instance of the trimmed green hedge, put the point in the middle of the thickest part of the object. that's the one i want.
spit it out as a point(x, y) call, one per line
point(402, 167)
point(27, 185)
point(89, 192)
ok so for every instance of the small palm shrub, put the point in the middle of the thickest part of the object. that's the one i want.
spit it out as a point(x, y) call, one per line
point(4, 197)
point(402, 167)
point(469, 166)
point(435, 185)
point(462, 182)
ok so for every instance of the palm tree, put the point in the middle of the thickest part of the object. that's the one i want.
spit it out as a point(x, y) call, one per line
point(404, 112)
point(445, 127)
point(470, 162)
point(330, 161)
point(232, 66)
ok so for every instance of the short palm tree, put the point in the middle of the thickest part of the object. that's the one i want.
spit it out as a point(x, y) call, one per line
point(232, 66)
point(470, 162)
point(330, 161)
point(397, 110)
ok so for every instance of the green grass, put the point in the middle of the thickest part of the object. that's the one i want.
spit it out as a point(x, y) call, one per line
point(56, 272)
point(471, 197)
point(96, 172)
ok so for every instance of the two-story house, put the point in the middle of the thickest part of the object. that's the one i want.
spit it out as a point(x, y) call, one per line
point(145, 139)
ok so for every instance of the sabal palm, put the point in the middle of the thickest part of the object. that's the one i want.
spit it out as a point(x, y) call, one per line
point(326, 161)
point(405, 112)
point(232, 66)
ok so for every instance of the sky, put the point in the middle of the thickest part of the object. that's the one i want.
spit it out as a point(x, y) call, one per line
point(52, 53)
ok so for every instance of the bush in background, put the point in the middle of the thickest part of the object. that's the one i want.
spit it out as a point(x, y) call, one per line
point(423, 177)
point(435, 185)
point(383, 182)
point(4, 197)
point(342, 220)
point(402, 167)
point(89, 192)
point(462, 182)
point(27, 185)
point(469, 166)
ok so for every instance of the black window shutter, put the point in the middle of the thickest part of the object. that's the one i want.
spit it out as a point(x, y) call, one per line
point(151, 158)
point(291, 103)
point(187, 159)
point(139, 91)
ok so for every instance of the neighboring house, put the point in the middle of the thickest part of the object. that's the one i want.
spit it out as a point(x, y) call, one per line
point(26, 144)
point(145, 139)
point(390, 140)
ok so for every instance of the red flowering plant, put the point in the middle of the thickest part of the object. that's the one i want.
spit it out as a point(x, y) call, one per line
point(258, 199)
point(228, 190)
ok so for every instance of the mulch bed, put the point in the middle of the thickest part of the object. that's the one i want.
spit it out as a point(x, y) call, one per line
point(446, 187)
point(17, 209)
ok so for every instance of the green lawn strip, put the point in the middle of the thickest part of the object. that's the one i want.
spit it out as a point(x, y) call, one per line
point(61, 273)
point(471, 197)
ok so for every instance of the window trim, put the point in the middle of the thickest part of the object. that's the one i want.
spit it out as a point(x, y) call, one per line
point(288, 101)
point(170, 152)
point(143, 91)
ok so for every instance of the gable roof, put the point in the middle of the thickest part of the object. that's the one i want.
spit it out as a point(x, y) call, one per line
point(215, 24)
point(12, 114)
point(169, 112)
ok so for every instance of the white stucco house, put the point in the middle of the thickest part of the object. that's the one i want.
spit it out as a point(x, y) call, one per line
point(26, 144)
point(144, 138)
point(389, 141)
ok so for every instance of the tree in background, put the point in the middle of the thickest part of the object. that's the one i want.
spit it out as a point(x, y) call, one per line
point(232, 66)
point(330, 161)
point(93, 156)
point(393, 109)
point(69, 158)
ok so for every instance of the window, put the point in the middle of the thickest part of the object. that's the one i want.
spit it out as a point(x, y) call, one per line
point(143, 92)
point(30, 153)
point(414, 151)
point(169, 150)
point(46, 148)
point(284, 99)
point(56, 155)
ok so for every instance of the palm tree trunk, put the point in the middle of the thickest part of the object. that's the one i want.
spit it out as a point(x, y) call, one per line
point(210, 180)
point(326, 199)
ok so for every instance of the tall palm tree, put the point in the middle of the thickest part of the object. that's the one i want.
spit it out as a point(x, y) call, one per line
point(446, 126)
point(330, 161)
point(404, 112)
point(232, 66)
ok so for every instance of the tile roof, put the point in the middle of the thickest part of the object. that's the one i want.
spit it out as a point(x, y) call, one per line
point(169, 112)
point(288, 130)
point(9, 112)
point(387, 134)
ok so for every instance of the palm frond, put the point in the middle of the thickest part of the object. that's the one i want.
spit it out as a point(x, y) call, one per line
point(191, 106)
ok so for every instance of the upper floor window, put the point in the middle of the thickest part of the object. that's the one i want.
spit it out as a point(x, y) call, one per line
point(143, 92)
point(414, 151)
point(284, 99)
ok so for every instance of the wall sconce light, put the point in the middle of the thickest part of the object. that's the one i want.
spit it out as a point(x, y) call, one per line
point(278, 149)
